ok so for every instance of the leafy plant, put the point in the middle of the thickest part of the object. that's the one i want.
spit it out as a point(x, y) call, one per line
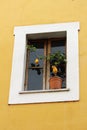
point(58, 60)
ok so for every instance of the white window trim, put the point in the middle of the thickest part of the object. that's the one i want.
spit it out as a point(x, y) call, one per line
point(17, 95)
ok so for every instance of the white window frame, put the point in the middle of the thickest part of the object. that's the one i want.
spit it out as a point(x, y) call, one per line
point(17, 94)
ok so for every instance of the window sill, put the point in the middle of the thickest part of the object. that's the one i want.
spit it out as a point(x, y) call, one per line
point(44, 91)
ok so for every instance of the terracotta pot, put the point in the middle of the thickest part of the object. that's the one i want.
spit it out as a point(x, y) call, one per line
point(55, 82)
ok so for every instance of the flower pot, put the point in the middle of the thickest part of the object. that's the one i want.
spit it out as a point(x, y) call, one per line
point(55, 82)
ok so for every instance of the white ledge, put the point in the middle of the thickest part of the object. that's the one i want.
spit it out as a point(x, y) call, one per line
point(44, 91)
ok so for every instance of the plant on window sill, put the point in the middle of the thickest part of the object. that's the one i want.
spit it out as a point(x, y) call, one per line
point(57, 62)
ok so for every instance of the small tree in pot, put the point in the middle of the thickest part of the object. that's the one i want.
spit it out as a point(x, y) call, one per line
point(57, 62)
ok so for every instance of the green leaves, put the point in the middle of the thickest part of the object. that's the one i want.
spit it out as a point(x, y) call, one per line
point(56, 58)
point(31, 48)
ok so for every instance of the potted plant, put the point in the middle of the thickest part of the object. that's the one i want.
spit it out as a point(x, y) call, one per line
point(57, 62)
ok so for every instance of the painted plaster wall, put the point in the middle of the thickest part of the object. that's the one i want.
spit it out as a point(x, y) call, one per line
point(46, 116)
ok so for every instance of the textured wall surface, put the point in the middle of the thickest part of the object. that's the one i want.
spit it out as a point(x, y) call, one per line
point(46, 116)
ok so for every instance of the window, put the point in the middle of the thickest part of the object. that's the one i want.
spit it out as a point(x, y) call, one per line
point(38, 75)
point(30, 82)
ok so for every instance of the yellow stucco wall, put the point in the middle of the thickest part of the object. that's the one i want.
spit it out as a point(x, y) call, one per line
point(49, 116)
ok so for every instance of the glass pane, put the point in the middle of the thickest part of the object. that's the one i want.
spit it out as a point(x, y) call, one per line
point(37, 53)
point(35, 72)
point(35, 79)
point(59, 46)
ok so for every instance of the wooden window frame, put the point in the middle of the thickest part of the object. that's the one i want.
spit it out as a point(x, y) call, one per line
point(46, 64)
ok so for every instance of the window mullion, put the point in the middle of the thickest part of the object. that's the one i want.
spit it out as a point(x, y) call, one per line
point(44, 66)
point(48, 64)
